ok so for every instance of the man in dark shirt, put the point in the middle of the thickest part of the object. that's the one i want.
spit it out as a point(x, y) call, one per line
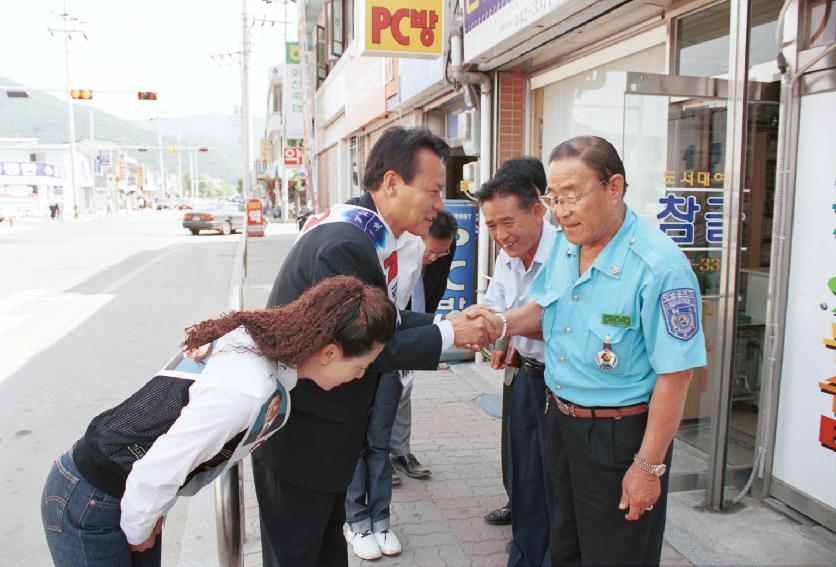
point(301, 474)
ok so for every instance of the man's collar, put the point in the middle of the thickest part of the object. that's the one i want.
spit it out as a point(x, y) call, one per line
point(365, 200)
point(547, 232)
point(610, 261)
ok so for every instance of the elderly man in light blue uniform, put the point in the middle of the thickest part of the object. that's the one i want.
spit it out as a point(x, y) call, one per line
point(620, 310)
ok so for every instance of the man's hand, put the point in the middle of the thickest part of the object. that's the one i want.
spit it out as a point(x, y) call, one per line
point(477, 309)
point(475, 329)
point(497, 360)
point(639, 491)
point(149, 543)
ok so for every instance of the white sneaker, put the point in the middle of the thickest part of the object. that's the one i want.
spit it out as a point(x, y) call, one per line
point(388, 542)
point(364, 544)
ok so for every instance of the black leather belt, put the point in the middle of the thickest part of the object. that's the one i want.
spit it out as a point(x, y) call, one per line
point(532, 366)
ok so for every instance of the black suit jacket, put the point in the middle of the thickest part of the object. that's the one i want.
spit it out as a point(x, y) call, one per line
point(434, 278)
point(319, 447)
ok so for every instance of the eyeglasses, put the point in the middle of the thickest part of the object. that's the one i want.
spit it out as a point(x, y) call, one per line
point(435, 255)
point(568, 202)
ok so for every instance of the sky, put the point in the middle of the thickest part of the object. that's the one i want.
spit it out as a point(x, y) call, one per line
point(148, 45)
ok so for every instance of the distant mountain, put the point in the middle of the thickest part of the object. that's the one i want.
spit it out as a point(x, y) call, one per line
point(219, 132)
point(44, 117)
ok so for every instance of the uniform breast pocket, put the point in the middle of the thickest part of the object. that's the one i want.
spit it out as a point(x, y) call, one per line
point(615, 359)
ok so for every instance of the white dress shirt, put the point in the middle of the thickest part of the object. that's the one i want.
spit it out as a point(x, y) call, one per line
point(410, 266)
point(509, 287)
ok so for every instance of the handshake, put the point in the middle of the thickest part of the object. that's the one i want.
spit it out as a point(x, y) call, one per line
point(477, 327)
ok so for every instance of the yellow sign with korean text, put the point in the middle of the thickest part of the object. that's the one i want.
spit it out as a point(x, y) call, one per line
point(403, 28)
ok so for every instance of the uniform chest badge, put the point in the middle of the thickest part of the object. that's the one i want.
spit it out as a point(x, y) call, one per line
point(606, 358)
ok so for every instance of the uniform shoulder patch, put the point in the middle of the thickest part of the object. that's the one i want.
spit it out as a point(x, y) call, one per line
point(679, 307)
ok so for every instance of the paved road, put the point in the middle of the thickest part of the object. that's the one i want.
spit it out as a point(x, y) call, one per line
point(88, 311)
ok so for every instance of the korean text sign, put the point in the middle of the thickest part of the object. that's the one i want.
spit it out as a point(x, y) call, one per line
point(403, 28)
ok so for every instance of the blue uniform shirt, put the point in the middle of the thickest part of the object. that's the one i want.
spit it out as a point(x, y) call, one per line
point(634, 314)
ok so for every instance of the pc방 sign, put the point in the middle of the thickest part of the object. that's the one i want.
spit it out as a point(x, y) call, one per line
point(403, 28)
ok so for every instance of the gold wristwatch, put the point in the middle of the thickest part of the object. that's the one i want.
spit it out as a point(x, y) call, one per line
point(655, 470)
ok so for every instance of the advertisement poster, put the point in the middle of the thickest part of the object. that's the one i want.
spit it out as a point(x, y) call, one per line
point(461, 283)
point(805, 444)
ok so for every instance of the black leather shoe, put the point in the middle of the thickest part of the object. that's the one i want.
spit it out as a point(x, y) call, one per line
point(500, 516)
point(396, 480)
point(410, 466)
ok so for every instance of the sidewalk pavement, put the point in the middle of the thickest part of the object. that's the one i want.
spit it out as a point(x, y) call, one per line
point(440, 520)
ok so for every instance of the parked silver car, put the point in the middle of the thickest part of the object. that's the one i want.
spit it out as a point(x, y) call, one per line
point(224, 217)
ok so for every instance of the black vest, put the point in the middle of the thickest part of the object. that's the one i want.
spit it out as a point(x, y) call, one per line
point(119, 437)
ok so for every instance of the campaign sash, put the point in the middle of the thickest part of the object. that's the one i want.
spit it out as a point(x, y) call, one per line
point(373, 226)
point(272, 416)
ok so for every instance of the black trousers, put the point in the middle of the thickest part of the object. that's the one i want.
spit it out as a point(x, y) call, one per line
point(589, 458)
point(299, 527)
point(532, 496)
point(504, 441)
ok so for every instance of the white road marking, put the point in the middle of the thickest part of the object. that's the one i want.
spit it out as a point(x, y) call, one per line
point(44, 322)
point(17, 299)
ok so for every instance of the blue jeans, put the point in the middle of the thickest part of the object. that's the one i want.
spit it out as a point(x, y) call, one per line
point(368, 496)
point(82, 523)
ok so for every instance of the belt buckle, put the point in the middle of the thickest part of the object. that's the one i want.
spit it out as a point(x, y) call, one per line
point(568, 409)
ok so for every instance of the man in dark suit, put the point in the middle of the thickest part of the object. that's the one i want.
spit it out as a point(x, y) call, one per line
point(302, 472)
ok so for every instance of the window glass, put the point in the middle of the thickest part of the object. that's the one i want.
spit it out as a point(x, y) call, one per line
point(822, 22)
point(703, 38)
point(592, 102)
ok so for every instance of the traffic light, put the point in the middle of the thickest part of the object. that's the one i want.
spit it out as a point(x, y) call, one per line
point(81, 94)
point(146, 95)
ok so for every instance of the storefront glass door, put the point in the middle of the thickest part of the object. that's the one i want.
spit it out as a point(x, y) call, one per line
point(674, 155)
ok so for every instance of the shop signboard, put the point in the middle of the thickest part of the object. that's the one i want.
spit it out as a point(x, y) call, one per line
point(30, 169)
point(690, 212)
point(255, 218)
point(805, 443)
point(265, 149)
point(294, 156)
point(490, 24)
point(292, 92)
point(402, 28)
point(461, 283)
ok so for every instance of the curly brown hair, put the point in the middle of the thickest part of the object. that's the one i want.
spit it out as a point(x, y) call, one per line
point(341, 310)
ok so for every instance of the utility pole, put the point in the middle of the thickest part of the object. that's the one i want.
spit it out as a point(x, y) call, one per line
point(245, 102)
point(69, 190)
point(179, 168)
point(191, 175)
point(160, 156)
point(197, 177)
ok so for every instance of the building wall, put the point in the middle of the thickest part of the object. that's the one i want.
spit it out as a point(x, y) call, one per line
point(510, 116)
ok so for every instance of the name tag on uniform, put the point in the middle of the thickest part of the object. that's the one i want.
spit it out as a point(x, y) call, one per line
point(617, 320)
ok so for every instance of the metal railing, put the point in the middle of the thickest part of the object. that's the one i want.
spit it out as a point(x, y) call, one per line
point(229, 488)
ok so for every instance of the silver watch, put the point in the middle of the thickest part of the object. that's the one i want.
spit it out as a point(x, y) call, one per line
point(655, 470)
